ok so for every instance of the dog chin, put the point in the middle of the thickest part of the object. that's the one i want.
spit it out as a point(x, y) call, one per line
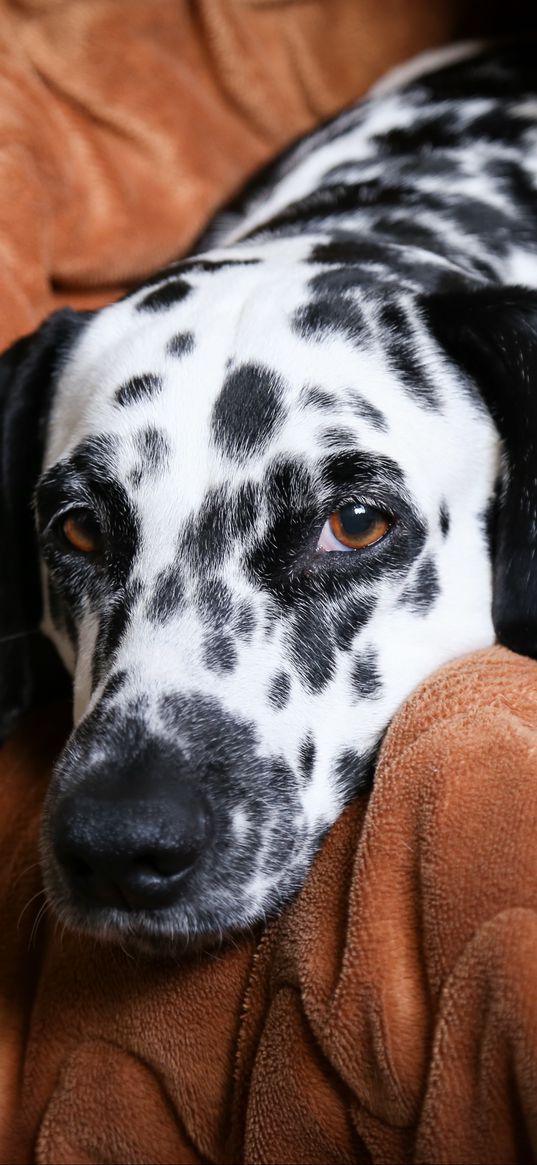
point(159, 934)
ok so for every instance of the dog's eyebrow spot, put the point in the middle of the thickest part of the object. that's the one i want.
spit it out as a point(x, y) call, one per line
point(166, 295)
point(249, 410)
point(220, 653)
point(279, 690)
point(420, 594)
point(138, 388)
point(444, 519)
point(306, 757)
point(365, 675)
point(168, 595)
point(182, 344)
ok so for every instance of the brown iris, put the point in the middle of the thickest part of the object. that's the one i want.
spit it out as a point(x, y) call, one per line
point(82, 533)
point(358, 525)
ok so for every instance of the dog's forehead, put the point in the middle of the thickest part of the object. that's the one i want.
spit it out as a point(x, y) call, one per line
point(218, 369)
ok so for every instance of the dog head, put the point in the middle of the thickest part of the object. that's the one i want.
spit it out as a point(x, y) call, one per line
point(263, 516)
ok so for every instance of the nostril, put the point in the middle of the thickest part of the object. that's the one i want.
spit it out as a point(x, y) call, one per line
point(165, 863)
point(80, 868)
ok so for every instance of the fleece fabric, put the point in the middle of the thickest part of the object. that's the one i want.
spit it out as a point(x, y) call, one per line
point(388, 1016)
point(125, 123)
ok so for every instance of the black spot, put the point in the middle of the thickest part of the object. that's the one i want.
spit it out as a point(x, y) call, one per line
point(181, 344)
point(325, 317)
point(154, 446)
point(291, 499)
point(164, 296)
point(244, 621)
point(353, 771)
point(208, 536)
point(167, 599)
point(114, 684)
point(421, 594)
point(337, 438)
point(367, 411)
point(215, 601)
point(279, 690)
point(138, 388)
point(400, 348)
point(318, 398)
point(113, 624)
point(490, 518)
point(365, 676)
point(350, 617)
point(311, 648)
point(220, 653)
point(444, 520)
point(306, 758)
point(248, 411)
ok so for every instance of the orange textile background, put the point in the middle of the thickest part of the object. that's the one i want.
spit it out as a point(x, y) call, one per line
point(124, 123)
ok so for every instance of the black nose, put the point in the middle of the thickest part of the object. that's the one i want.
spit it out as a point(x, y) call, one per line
point(129, 840)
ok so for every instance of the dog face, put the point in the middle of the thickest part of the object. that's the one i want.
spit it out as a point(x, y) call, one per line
point(259, 533)
point(261, 524)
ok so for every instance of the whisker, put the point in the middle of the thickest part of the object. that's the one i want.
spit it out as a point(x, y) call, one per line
point(23, 873)
point(40, 915)
point(19, 635)
point(29, 903)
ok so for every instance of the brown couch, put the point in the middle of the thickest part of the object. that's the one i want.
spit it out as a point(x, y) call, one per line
point(390, 1014)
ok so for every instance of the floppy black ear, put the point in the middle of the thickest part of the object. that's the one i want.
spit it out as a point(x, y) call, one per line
point(28, 372)
point(492, 334)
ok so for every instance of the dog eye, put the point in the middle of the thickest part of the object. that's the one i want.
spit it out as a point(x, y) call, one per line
point(354, 527)
point(81, 531)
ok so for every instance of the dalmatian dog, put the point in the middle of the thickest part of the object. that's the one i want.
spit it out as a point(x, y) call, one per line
point(270, 491)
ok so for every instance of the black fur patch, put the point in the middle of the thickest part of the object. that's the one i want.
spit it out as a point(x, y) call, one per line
point(166, 295)
point(249, 410)
point(220, 653)
point(244, 621)
point(319, 398)
point(367, 411)
point(366, 680)
point(279, 690)
point(182, 344)
point(306, 758)
point(138, 388)
point(167, 599)
point(154, 449)
point(445, 520)
point(311, 648)
point(421, 594)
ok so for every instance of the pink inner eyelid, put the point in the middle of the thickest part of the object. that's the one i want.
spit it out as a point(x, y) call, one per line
point(328, 542)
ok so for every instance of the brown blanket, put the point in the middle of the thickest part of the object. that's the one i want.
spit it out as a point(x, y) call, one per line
point(123, 123)
point(389, 1016)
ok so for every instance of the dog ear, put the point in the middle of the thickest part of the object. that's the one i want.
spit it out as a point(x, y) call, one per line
point(28, 371)
point(492, 334)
